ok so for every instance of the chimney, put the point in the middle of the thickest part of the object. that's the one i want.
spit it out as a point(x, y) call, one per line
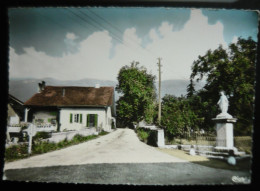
point(97, 86)
point(63, 92)
point(41, 86)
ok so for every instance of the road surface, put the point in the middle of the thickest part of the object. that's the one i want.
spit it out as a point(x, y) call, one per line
point(116, 158)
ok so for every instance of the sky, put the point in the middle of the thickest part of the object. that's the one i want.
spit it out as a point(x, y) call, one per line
point(95, 42)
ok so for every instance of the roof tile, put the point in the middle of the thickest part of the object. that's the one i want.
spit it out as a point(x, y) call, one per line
point(73, 96)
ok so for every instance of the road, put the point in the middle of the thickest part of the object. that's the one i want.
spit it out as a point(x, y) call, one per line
point(116, 158)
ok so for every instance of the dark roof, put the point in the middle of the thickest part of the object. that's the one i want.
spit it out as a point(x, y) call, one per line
point(73, 96)
point(15, 99)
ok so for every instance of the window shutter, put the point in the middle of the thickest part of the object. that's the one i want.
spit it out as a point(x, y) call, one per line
point(96, 120)
point(87, 120)
point(80, 118)
point(71, 118)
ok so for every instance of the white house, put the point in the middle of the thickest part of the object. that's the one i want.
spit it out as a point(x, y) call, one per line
point(15, 110)
point(72, 108)
point(13, 118)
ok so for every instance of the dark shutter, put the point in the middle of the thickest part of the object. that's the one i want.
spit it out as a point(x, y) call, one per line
point(71, 118)
point(80, 118)
point(87, 120)
point(96, 120)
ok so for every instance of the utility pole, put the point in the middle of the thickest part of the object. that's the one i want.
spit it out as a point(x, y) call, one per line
point(159, 110)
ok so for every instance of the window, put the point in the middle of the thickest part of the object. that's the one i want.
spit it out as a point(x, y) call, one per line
point(92, 120)
point(77, 118)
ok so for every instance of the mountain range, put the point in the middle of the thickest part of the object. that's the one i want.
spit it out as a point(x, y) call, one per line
point(23, 89)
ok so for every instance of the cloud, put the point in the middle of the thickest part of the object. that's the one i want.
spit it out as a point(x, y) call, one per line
point(71, 36)
point(177, 48)
point(235, 39)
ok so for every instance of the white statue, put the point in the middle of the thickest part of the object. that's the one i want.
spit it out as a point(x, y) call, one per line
point(223, 105)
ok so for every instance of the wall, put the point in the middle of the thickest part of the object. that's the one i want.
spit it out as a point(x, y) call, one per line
point(14, 120)
point(103, 118)
point(60, 136)
point(45, 116)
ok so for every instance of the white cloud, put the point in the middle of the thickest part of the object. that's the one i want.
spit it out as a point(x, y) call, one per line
point(71, 36)
point(235, 39)
point(178, 50)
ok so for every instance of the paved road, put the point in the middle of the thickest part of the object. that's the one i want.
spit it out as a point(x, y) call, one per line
point(117, 158)
point(120, 146)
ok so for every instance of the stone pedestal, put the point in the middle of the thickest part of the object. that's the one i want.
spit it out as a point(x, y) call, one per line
point(160, 138)
point(224, 128)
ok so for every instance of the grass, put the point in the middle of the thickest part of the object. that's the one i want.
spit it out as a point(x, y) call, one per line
point(142, 134)
point(39, 147)
point(204, 161)
point(242, 143)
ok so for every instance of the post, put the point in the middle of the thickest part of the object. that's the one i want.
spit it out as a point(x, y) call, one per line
point(26, 115)
point(30, 145)
point(159, 96)
point(31, 132)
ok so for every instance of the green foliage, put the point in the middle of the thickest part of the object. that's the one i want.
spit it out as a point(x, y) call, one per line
point(142, 134)
point(41, 135)
point(16, 152)
point(231, 70)
point(138, 100)
point(21, 151)
point(147, 135)
point(178, 116)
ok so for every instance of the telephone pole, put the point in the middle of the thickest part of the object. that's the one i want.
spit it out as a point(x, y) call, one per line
point(159, 108)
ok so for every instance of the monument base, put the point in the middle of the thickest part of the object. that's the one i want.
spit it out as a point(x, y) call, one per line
point(224, 129)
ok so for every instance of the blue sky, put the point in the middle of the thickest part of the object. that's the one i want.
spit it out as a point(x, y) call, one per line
point(77, 43)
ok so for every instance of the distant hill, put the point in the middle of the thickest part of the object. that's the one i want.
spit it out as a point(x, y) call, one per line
point(23, 89)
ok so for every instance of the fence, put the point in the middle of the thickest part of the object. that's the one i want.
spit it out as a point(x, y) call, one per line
point(242, 143)
point(194, 139)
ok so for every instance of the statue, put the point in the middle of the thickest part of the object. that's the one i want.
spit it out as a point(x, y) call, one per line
point(223, 105)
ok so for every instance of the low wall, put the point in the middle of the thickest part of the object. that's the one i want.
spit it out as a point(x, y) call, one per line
point(60, 136)
point(155, 135)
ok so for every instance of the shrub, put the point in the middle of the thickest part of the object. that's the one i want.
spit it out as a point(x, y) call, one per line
point(43, 147)
point(41, 135)
point(143, 135)
point(16, 152)
point(103, 133)
point(20, 151)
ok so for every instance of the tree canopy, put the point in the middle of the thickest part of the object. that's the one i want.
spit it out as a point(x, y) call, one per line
point(233, 71)
point(138, 100)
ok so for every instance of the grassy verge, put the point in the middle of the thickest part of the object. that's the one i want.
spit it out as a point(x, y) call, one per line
point(147, 136)
point(20, 151)
point(204, 161)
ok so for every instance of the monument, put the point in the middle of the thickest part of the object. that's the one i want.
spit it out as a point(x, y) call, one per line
point(224, 125)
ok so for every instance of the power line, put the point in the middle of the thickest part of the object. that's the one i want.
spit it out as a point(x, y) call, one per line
point(109, 23)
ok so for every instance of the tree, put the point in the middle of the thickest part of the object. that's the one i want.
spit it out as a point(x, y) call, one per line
point(191, 89)
point(178, 116)
point(233, 71)
point(138, 100)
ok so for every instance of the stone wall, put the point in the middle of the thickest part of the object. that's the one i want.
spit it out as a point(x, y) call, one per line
point(60, 136)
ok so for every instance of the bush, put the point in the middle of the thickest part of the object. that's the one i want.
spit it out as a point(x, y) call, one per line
point(148, 136)
point(41, 135)
point(43, 147)
point(143, 135)
point(20, 151)
point(16, 152)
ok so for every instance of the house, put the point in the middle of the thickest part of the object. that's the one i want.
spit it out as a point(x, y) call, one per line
point(15, 110)
point(71, 107)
